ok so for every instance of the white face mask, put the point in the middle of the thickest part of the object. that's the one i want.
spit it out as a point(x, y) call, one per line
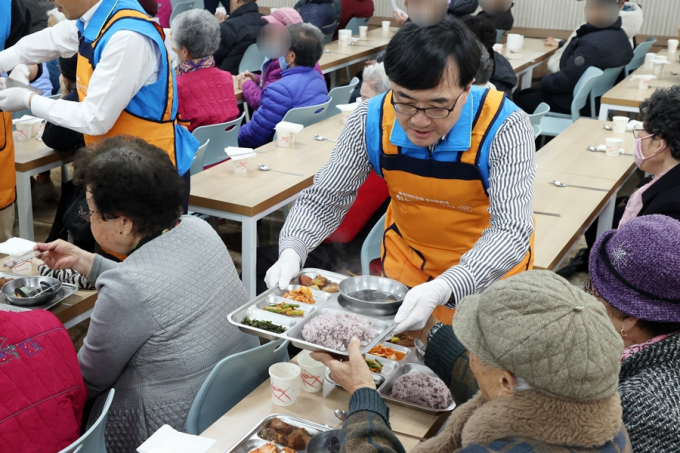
point(640, 158)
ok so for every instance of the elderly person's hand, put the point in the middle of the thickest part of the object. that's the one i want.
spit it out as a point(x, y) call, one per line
point(63, 255)
point(400, 17)
point(352, 375)
point(221, 17)
point(551, 42)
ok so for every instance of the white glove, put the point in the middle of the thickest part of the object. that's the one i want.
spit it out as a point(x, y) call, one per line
point(20, 73)
point(283, 271)
point(14, 99)
point(419, 304)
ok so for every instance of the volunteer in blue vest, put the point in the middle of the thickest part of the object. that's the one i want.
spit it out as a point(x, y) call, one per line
point(459, 164)
point(15, 23)
point(125, 81)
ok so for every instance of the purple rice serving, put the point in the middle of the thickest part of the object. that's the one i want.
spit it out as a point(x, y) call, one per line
point(335, 330)
point(422, 389)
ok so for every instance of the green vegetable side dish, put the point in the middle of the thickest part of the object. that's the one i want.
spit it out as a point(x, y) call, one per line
point(374, 365)
point(284, 309)
point(264, 325)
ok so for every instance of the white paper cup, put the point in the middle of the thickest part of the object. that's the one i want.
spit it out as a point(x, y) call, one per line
point(363, 31)
point(344, 37)
point(673, 45)
point(620, 123)
point(515, 41)
point(658, 66)
point(645, 81)
point(386, 25)
point(346, 110)
point(24, 130)
point(498, 47)
point(37, 127)
point(649, 61)
point(613, 146)
point(240, 165)
point(284, 383)
point(284, 138)
point(312, 373)
point(23, 268)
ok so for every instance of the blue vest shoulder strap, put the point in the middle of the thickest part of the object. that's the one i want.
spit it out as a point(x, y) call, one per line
point(5, 21)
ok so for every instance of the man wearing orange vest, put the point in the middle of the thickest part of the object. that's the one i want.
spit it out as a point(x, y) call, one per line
point(125, 81)
point(459, 164)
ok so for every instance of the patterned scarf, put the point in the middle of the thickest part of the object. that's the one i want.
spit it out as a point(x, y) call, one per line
point(192, 65)
point(633, 349)
point(634, 204)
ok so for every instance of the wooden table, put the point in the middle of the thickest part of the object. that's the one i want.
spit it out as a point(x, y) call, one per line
point(248, 197)
point(32, 157)
point(523, 62)
point(626, 96)
point(315, 407)
point(566, 159)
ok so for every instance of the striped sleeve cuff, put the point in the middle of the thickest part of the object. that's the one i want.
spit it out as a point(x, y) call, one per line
point(462, 284)
point(367, 399)
point(298, 246)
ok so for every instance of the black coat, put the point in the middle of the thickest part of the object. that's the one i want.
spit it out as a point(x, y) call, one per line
point(502, 21)
point(62, 138)
point(238, 32)
point(320, 13)
point(503, 76)
point(600, 47)
point(663, 197)
point(460, 8)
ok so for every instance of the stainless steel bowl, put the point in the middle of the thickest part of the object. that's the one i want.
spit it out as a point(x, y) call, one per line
point(9, 288)
point(351, 286)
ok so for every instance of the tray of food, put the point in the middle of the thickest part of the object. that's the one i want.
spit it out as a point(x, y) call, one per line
point(418, 387)
point(279, 433)
point(312, 315)
point(45, 299)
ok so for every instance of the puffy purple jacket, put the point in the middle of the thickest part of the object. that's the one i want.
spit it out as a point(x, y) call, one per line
point(252, 91)
point(300, 86)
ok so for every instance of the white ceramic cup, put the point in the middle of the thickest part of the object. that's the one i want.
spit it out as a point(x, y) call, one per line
point(284, 383)
point(498, 47)
point(658, 66)
point(620, 123)
point(649, 61)
point(613, 146)
point(344, 37)
point(284, 138)
point(386, 25)
point(24, 130)
point(240, 165)
point(312, 372)
point(515, 41)
point(673, 45)
point(363, 30)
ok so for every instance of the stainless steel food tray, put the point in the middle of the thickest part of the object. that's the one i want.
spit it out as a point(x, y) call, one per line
point(325, 303)
point(66, 290)
point(385, 390)
point(252, 441)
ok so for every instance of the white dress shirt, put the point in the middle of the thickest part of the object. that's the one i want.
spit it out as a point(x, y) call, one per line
point(129, 61)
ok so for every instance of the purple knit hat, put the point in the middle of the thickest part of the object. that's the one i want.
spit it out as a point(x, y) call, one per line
point(635, 268)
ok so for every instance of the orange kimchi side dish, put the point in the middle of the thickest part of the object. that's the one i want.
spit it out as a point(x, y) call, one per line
point(303, 294)
point(388, 353)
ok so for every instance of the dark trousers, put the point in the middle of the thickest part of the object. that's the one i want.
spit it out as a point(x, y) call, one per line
point(529, 99)
point(187, 180)
point(211, 5)
point(591, 233)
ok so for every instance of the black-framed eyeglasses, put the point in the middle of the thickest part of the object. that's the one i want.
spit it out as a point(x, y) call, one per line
point(434, 113)
point(85, 213)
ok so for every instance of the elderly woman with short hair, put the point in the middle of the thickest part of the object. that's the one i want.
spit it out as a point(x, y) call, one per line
point(160, 323)
point(375, 81)
point(205, 92)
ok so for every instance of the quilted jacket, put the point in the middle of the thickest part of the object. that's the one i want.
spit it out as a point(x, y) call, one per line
point(649, 385)
point(42, 391)
point(299, 86)
point(206, 96)
point(320, 13)
point(252, 91)
point(237, 33)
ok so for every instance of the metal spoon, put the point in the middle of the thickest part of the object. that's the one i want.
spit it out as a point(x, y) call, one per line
point(674, 73)
point(358, 45)
point(263, 167)
point(342, 416)
point(561, 184)
point(595, 150)
point(328, 51)
point(609, 128)
point(552, 214)
point(321, 138)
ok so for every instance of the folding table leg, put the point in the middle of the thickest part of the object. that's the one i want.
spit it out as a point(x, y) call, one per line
point(24, 206)
point(606, 219)
point(249, 255)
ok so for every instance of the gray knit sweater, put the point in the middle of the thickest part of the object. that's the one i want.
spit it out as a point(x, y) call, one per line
point(649, 385)
point(157, 329)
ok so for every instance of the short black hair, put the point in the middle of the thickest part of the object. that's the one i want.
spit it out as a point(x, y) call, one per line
point(128, 176)
point(485, 68)
point(483, 29)
point(418, 58)
point(661, 116)
point(68, 67)
point(306, 41)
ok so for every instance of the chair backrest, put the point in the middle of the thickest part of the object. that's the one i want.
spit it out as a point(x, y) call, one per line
point(537, 130)
point(252, 59)
point(356, 22)
point(199, 159)
point(639, 55)
point(307, 115)
point(220, 136)
point(179, 9)
point(93, 440)
point(499, 35)
point(370, 249)
point(231, 380)
point(536, 117)
point(582, 90)
point(329, 31)
point(340, 96)
point(604, 83)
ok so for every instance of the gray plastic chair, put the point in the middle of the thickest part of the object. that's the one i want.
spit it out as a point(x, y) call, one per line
point(179, 9)
point(220, 136)
point(500, 34)
point(605, 83)
point(93, 440)
point(307, 115)
point(329, 32)
point(340, 96)
point(252, 59)
point(536, 117)
point(355, 23)
point(537, 130)
point(639, 55)
point(199, 158)
point(231, 380)
point(554, 124)
point(371, 247)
